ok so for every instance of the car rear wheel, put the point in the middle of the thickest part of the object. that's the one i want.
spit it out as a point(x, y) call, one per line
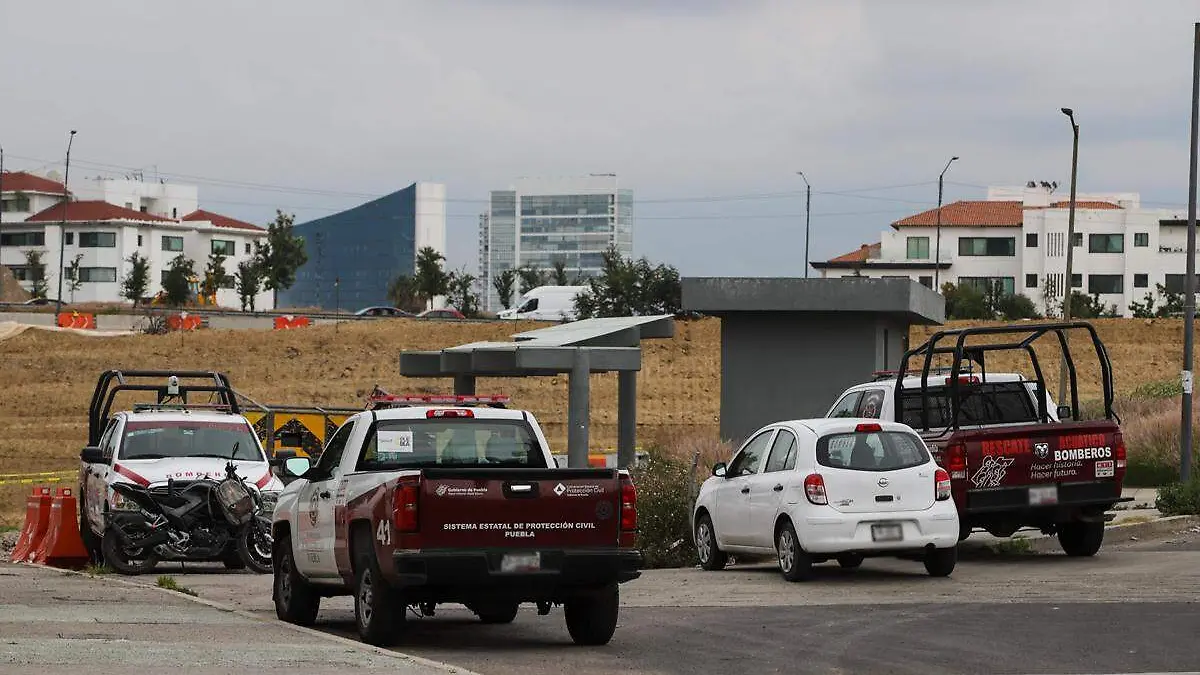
point(378, 609)
point(794, 562)
point(711, 557)
point(1081, 539)
point(592, 618)
point(850, 560)
point(940, 562)
point(296, 601)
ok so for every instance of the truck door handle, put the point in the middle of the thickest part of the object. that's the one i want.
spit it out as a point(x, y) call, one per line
point(520, 488)
point(746, 490)
point(778, 488)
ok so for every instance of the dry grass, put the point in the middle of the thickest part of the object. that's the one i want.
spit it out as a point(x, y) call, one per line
point(49, 378)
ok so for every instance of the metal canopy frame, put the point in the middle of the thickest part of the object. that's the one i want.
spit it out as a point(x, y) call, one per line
point(976, 354)
point(112, 382)
point(579, 348)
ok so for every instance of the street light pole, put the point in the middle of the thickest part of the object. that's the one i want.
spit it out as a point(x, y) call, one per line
point(62, 230)
point(937, 260)
point(807, 218)
point(1189, 303)
point(1069, 288)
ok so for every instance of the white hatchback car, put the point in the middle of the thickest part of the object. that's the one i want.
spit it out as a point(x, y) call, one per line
point(808, 491)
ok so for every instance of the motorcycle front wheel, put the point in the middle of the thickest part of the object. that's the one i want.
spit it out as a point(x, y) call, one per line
point(254, 545)
point(129, 561)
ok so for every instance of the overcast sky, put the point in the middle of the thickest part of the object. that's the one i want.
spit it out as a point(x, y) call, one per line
point(705, 108)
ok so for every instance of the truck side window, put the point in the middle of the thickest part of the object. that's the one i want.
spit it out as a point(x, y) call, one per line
point(108, 440)
point(332, 453)
point(530, 305)
point(848, 406)
point(871, 405)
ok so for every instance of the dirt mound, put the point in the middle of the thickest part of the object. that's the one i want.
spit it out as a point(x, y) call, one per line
point(10, 288)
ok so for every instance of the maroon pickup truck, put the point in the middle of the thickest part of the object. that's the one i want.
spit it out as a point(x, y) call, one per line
point(1015, 459)
point(431, 502)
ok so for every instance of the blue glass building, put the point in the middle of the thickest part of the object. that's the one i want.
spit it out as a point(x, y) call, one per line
point(365, 248)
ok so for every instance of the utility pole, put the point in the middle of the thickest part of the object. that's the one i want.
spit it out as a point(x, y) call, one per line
point(807, 218)
point(62, 230)
point(1189, 303)
point(1069, 290)
point(937, 258)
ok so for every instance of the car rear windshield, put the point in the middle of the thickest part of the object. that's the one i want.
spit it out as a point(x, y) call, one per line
point(161, 439)
point(457, 442)
point(871, 451)
point(979, 404)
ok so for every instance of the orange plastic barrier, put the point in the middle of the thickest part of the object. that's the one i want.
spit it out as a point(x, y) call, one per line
point(37, 517)
point(184, 321)
point(62, 546)
point(76, 320)
point(288, 322)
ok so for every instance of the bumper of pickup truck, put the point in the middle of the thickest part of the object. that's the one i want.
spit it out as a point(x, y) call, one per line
point(1071, 497)
point(559, 570)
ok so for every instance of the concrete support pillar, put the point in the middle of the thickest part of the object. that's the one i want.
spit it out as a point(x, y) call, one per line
point(578, 408)
point(464, 385)
point(626, 418)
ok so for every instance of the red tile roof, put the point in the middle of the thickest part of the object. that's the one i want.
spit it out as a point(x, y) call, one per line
point(20, 181)
point(92, 211)
point(969, 214)
point(866, 252)
point(221, 221)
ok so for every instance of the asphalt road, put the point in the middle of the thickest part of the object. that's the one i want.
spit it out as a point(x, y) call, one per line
point(1135, 608)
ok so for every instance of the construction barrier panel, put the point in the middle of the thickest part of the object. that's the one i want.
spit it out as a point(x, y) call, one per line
point(184, 321)
point(62, 546)
point(37, 516)
point(288, 321)
point(76, 320)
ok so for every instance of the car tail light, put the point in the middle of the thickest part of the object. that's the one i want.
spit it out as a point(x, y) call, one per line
point(941, 480)
point(868, 428)
point(1119, 449)
point(956, 460)
point(629, 517)
point(814, 489)
point(432, 414)
point(406, 504)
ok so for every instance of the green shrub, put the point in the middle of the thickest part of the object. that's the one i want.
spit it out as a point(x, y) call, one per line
point(1160, 389)
point(1179, 499)
point(664, 493)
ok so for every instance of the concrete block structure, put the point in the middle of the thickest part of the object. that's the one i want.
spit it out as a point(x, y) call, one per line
point(789, 346)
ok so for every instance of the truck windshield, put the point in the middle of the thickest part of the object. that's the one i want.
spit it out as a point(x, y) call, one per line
point(979, 404)
point(461, 442)
point(185, 438)
point(871, 451)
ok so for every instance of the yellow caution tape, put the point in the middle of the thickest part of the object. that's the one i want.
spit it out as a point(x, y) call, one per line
point(39, 473)
point(29, 481)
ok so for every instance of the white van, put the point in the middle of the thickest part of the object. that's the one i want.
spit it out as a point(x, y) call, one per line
point(546, 303)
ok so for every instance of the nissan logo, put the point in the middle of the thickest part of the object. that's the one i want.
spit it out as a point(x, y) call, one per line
point(883, 482)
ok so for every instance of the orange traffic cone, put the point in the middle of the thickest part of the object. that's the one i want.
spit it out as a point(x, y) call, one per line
point(62, 546)
point(37, 516)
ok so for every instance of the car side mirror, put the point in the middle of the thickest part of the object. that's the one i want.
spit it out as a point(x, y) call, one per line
point(92, 455)
point(718, 469)
point(296, 466)
point(1064, 412)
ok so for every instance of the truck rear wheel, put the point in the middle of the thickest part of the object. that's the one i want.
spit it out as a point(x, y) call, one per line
point(296, 601)
point(497, 612)
point(592, 618)
point(1081, 538)
point(378, 609)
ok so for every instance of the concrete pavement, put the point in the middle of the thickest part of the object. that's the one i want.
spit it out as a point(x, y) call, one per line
point(53, 622)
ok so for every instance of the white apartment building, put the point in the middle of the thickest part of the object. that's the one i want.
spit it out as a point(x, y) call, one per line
point(1017, 238)
point(539, 221)
point(105, 222)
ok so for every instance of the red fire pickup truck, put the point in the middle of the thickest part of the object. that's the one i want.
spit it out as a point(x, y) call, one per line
point(1015, 459)
point(434, 500)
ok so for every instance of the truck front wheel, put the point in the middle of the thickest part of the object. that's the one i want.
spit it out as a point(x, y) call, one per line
point(592, 618)
point(296, 601)
point(1081, 538)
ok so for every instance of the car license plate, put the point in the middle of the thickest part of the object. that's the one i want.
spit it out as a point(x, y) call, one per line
point(1043, 495)
point(887, 532)
point(521, 562)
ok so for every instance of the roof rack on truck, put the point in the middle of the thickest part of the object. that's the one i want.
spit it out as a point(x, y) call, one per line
point(171, 387)
point(379, 399)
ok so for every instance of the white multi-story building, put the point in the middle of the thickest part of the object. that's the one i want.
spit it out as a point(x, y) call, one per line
point(1017, 238)
point(104, 224)
point(541, 221)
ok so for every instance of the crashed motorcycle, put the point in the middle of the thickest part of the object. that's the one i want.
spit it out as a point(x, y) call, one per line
point(203, 520)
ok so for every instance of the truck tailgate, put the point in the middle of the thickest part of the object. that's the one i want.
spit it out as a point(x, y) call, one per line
point(519, 508)
point(1038, 454)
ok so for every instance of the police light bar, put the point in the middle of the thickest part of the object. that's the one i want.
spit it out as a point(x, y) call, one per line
point(439, 399)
